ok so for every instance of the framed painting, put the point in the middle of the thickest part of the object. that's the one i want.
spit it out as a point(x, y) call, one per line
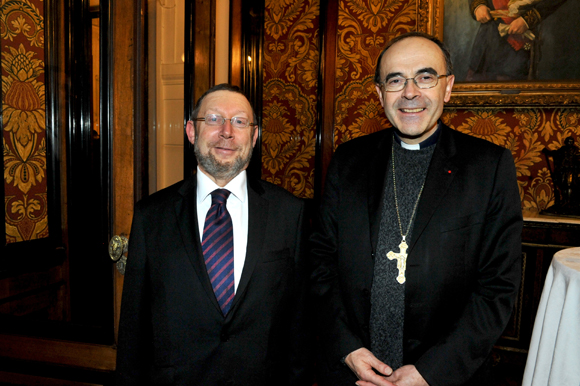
point(540, 67)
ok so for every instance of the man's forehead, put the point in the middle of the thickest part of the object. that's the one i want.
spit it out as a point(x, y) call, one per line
point(226, 100)
point(412, 55)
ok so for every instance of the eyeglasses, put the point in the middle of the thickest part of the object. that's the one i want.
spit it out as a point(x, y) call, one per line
point(218, 120)
point(423, 81)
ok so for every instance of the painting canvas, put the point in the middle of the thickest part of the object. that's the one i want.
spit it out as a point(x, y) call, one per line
point(546, 71)
point(554, 49)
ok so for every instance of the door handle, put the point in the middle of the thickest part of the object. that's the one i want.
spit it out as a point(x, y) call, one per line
point(118, 247)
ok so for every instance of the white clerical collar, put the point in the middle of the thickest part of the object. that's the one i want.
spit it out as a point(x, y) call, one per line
point(422, 145)
point(237, 186)
point(414, 146)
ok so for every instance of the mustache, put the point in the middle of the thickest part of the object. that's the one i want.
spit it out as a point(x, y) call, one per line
point(223, 143)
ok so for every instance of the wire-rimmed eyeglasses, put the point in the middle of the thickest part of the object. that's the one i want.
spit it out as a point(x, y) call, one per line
point(218, 120)
point(423, 81)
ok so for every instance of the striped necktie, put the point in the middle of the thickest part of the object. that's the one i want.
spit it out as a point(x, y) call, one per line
point(218, 249)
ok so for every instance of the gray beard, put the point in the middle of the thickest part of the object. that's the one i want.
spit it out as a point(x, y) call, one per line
point(221, 171)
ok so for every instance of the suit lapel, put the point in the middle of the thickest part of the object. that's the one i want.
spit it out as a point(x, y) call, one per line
point(186, 212)
point(257, 221)
point(439, 176)
point(376, 186)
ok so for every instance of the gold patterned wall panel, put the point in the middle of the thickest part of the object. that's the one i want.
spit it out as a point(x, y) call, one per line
point(291, 54)
point(364, 28)
point(526, 132)
point(23, 115)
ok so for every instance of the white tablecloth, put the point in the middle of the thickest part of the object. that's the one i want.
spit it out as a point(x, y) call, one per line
point(554, 355)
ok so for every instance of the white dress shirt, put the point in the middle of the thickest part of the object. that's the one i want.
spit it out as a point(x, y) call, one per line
point(237, 206)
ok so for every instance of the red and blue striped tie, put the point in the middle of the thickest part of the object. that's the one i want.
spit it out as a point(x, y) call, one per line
point(218, 249)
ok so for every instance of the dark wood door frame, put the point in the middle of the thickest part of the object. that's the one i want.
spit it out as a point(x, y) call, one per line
point(123, 112)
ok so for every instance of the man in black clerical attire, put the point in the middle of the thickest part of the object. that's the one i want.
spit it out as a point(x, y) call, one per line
point(416, 248)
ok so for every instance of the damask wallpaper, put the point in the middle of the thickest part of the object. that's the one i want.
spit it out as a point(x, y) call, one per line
point(525, 131)
point(23, 119)
point(291, 53)
point(364, 27)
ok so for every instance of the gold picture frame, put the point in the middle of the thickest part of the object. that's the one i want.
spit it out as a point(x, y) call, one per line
point(430, 19)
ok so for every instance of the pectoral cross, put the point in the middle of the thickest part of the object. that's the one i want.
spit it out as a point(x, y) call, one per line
point(401, 260)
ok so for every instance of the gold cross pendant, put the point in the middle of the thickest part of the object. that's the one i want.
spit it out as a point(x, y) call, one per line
point(401, 260)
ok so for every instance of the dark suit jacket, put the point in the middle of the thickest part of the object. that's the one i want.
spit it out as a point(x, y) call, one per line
point(463, 268)
point(172, 331)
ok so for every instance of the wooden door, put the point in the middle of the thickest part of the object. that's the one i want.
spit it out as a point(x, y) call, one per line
point(61, 293)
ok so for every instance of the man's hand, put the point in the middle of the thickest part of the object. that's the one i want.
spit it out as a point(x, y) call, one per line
point(407, 376)
point(518, 26)
point(362, 362)
point(482, 14)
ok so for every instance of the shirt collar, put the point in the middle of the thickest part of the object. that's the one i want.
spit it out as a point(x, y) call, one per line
point(237, 186)
point(422, 145)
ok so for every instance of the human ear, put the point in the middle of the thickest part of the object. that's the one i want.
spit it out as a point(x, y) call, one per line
point(190, 130)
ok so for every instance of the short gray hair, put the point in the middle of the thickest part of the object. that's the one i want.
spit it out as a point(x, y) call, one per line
point(444, 51)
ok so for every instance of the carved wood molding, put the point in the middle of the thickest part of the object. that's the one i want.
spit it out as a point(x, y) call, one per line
point(523, 99)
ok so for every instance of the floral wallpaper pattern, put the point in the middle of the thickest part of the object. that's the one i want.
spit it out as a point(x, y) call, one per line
point(23, 117)
point(526, 132)
point(291, 52)
point(364, 27)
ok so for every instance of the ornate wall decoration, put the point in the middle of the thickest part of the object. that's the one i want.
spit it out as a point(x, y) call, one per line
point(23, 115)
point(291, 52)
point(526, 132)
point(288, 143)
point(364, 28)
point(358, 106)
point(22, 19)
point(540, 193)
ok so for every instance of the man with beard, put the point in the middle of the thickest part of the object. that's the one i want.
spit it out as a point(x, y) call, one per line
point(215, 283)
point(417, 244)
